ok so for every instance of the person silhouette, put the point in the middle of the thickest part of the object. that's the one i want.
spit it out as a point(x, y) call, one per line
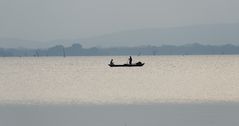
point(111, 62)
point(130, 60)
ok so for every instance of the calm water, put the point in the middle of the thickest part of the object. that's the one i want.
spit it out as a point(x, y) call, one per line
point(84, 91)
point(88, 80)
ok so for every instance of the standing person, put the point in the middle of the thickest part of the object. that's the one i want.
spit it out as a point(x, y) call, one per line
point(130, 60)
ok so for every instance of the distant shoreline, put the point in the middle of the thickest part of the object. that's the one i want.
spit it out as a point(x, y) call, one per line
point(78, 50)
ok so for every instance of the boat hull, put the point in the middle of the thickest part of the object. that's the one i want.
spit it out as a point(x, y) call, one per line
point(126, 65)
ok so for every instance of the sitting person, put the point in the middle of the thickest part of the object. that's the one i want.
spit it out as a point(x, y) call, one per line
point(139, 63)
point(111, 62)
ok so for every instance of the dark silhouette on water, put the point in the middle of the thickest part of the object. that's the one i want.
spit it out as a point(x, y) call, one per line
point(138, 64)
point(130, 60)
point(111, 62)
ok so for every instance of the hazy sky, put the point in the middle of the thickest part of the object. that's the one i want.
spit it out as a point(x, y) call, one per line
point(56, 19)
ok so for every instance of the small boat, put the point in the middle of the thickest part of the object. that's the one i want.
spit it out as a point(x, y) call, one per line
point(139, 64)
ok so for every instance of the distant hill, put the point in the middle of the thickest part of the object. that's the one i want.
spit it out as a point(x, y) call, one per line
point(217, 34)
point(204, 34)
point(20, 43)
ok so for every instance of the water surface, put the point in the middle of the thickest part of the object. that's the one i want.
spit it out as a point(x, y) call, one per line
point(89, 80)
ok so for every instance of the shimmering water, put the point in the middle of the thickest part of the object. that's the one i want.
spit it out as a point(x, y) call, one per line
point(89, 80)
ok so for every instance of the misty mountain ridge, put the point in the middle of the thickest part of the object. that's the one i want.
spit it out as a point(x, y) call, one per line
point(204, 34)
point(215, 34)
point(31, 44)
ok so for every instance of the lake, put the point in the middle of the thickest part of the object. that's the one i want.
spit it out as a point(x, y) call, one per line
point(167, 90)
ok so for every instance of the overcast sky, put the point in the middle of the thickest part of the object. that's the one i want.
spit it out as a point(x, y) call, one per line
point(46, 20)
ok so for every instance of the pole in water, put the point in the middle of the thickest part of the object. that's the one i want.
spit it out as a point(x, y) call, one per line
point(37, 53)
point(64, 52)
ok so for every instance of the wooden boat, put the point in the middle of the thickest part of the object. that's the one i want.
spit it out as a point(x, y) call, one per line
point(139, 64)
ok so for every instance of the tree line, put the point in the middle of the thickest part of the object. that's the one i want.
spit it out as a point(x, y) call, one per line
point(78, 50)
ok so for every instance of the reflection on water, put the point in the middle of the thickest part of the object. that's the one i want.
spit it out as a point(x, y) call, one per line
point(81, 80)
